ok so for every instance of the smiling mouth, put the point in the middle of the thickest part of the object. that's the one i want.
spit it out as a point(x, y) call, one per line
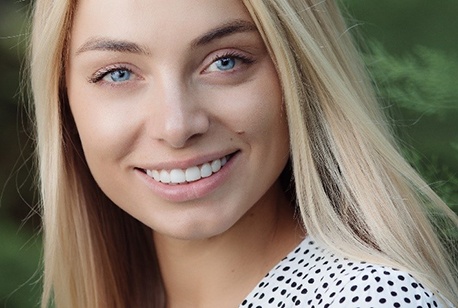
point(188, 175)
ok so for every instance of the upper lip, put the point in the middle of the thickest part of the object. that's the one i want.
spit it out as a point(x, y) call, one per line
point(184, 164)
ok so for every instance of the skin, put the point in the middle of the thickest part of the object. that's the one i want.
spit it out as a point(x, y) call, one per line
point(177, 104)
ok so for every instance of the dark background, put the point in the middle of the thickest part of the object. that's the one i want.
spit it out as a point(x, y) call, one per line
point(411, 49)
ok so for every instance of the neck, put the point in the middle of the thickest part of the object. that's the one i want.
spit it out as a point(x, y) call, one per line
point(225, 268)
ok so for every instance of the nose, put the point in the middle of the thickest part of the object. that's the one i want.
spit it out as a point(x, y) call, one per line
point(179, 116)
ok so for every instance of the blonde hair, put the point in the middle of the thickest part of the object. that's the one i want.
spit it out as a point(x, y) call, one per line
point(354, 191)
point(91, 247)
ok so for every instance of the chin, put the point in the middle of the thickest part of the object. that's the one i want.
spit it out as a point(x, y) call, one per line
point(195, 231)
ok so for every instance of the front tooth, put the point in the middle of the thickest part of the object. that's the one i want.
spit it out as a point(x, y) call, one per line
point(177, 176)
point(216, 165)
point(149, 173)
point(223, 161)
point(206, 170)
point(156, 175)
point(164, 177)
point(192, 174)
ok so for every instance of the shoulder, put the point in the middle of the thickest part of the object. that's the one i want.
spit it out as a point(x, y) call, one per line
point(312, 276)
point(378, 286)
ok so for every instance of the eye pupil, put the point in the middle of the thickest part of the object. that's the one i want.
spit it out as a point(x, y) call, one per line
point(120, 75)
point(225, 64)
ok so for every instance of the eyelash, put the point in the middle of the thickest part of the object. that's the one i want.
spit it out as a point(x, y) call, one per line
point(100, 74)
point(232, 54)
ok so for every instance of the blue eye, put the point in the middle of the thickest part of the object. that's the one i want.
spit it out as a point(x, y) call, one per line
point(225, 64)
point(229, 62)
point(118, 75)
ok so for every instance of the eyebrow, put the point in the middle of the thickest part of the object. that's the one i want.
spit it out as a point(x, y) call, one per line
point(107, 44)
point(232, 27)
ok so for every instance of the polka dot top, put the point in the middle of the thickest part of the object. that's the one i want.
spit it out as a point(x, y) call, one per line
point(311, 276)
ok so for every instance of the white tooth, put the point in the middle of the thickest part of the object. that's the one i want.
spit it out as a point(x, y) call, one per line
point(149, 173)
point(156, 175)
point(206, 170)
point(164, 177)
point(216, 165)
point(192, 174)
point(177, 176)
point(223, 161)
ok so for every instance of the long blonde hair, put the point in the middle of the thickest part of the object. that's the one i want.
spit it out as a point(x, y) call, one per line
point(354, 191)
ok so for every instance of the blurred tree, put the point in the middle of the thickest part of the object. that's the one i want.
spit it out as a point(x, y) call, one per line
point(422, 87)
point(401, 26)
point(19, 249)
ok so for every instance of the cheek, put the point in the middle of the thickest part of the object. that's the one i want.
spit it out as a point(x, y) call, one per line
point(256, 109)
point(105, 128)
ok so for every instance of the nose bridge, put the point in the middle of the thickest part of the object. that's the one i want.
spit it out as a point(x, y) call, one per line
point(179, 116)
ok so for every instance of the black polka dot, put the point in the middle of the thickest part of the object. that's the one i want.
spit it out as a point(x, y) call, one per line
point(312, 276)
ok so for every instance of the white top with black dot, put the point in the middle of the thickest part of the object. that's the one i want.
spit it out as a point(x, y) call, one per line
point(312, 276)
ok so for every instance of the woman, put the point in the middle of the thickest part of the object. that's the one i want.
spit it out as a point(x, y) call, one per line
point(187, 147)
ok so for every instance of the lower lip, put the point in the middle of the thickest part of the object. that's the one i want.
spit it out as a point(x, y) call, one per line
point(193, 190)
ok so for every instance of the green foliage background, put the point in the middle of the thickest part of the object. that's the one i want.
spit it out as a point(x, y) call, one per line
point(411, 51)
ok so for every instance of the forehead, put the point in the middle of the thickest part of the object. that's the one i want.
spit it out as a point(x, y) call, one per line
point(157, 21)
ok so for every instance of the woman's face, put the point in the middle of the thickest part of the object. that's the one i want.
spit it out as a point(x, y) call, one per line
point(179, 110)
